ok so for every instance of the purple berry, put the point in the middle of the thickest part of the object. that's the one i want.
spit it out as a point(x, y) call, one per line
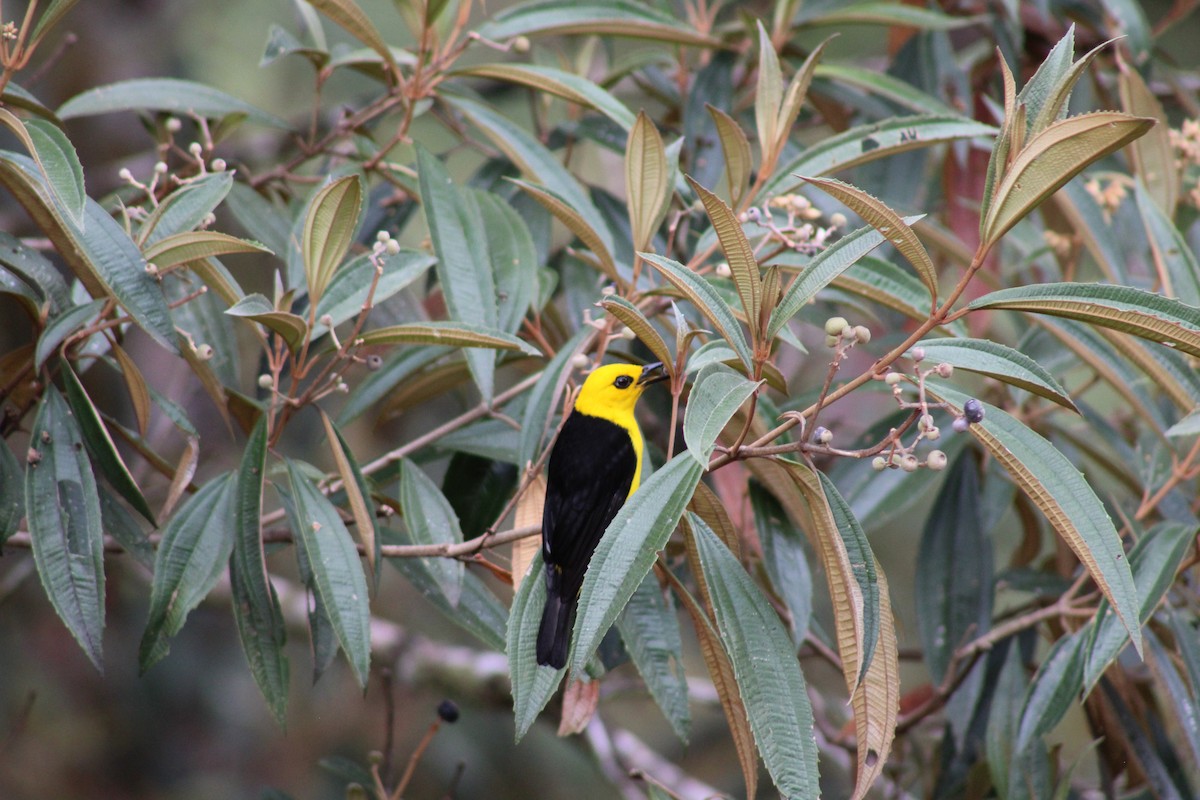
point(448, 711)
point(973, 411)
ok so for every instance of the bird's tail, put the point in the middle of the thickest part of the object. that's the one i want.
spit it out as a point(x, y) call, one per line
point(554, 634)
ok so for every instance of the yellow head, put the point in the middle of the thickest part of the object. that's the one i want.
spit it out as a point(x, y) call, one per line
point(611, 391)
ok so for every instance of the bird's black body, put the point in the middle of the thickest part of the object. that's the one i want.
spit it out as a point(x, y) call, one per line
point(591, 470)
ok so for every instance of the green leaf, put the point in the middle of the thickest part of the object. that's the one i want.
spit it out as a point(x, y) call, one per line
point(1014, 772)
point(560, 83)
point(883, 219)
point(464, 264)
point(532, 685)
point(1175, 261)
point(1054, 688)
point(51, 16)
point(1051, 158)
point(627, 551)
point(99, 252)
point(1188, 426)
point(192, 555)
point(257, 215)
point(357, 493)
point(125, 529)
point(636, 321)
point(768, 95)
point(594, 18)
point(329, 230)
point(12, 493)
point(887, 14)
point(37, 271)
point(514, 259)
point(954, 568)
point(886, 86)
point(347, 14)
point(1120, 308)
point(174, 96)
point(336, 570)
point(715, 397)
point(648, 181)
point(56, 155)
point(997, 361)
point(100, 444)
point(291, 327)
point(736, 149)
point(62, 327)
point(398, 366)
point(742, 264)
point(784, 559)
point(256, 609)
point(344, 296)
point(186, 208)
point(1153, 154)
point(478, 611)
point(180, 248)
point(764, 663)
point(456, 334)
point(891, 286)
point(824, 268)
point(706, 300)
point(1058, 489)
point(575, 223)
point(1154, 560)
point(430, 519)
point(62, 510)
point(865, 143)
point(650, 631)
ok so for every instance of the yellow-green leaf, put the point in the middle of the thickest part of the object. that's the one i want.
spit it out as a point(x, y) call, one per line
point(647, 180)
point(347, 14)
point(767, 96)
point(328, 231)
point(181, 248)
point(742, 264)
point(456, 334)
point(736, 149)
point(1153, 155)
point(876, 702)
point(636, 321)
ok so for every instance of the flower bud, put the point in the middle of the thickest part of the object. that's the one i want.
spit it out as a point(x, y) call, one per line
point(204, 352)
point(837, 219)
point(521, 44)
point(945, 370)
point(893, 378)
point(879, 463)
point(925, 422)
point(580, 361)
point(218, 165)
point(124, 174)
point(823, 435)
point(917, 354)
point(835, 325)
point(936, 460)
point(374, 362)
point(862, 334)
point(723, 270)
point(391, 247)
point(933, 433)
point(909, 463)
point(266, 381)
point(628, 334)
point(832, 341)
point(173, 124)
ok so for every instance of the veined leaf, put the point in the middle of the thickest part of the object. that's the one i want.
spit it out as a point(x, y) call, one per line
point(12, 493)
point(456, 334)
point(764, 663)
point(715, 398)
point(647, 181)
point(62, 327)
point(347, 14)
point(345, 295)
point(62, 509)
point(997, 361)
point(1120, 308)
point(889, 14)
point(627, 551)
point(478, 611)
point(1153, 154)
point(514, 259)
point(876, 702)
point(706, 299)
point(1059, 491)
point(36, 270)
point(255, 605)
point(171, 95)
point(883, 85)
point(358, 494)
point(594, 18)
point(636, 321)
point(891, 286)
point(336, 570)
point(51, 16)
point(575, 223)
point(430, 520)
point(883, 219)
point(181, 248)
point(1174, 260)
point(797, 91)
point(784, 559)
point(1052, 157)
point(1051, 74)
point(739, 254)
point(768, 96)
point(532, 685)
point(291, 327)
point(329, 230)
point(191, 556)
point(56, 156)
point(135, 382)
point(651, 634)
point(185, 209)
point(1053, 690)
point(736, 149)
point(560, 83)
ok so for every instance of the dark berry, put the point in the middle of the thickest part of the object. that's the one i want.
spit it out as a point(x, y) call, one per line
point(448, 711)
point(973, 411)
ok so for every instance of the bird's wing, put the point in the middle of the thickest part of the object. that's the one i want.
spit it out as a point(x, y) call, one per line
point(590, 472)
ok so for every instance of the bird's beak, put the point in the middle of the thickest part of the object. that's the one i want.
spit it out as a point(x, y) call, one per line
point(652, 373)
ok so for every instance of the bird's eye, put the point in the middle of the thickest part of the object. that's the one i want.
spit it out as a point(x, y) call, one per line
point(623, 382)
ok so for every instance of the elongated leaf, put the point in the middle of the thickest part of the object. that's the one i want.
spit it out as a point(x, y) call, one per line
point(784, 559)
point(1153, 155)
point(1120, 308)
point(889, 14)
point(1174, 259)
point(1059, 491)
point(431, 520)
point(768, 676)
point(62, 510)
point(99, 251)
point(1054, 688)
point(192, 555)
point(627, 551)
point(532, 685)
point(594, 18)
point(347, 14)
point(255, 605)
point(1154, 560)
point(12, 493)
point(636, 321)
point(998, 361)
point(768, 95)
point(954, 563)
point(51, 16)
point(345, 295)
point(164, 94)
point(329, 229)
point(883, 219)
point(706, 299)
point(883, 85)
point(186, 208)
point(876, 702)
point(180, 248)
point(742, 264)
point(866, 143)
point(100, 444)
point(457, 334)
point(716, 396)
point(358, 493)
point(35, 270)
point(135, 382)
point(291, 327)
point(62, 327)
point(647, 180)
point(796, 93)
point(514, 259)
point(1054, 106)
point(1051, 74)
point(478, 611)
point(464, 265)
point(1051, 158)
point(575, 223)
point(56, 155)
point(336, 570)
point(560, 83)
point(736, 149)
point(890, 286)
point(651, 634)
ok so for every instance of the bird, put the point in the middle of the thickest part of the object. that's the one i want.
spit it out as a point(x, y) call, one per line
point(595, 466)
